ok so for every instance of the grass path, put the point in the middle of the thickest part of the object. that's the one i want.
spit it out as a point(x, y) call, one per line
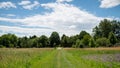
point(56, 59)
point(51, 58)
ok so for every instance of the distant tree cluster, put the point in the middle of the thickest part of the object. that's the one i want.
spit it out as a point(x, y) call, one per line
point(106, 34)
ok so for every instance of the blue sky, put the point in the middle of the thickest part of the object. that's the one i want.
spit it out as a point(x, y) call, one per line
point(38, 17)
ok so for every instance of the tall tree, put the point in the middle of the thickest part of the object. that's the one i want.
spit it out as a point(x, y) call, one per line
point(112, 38)
point(54, 39)
point(92, 43)
point(86, 40)
point(24, 42)
point(82, 34)
point(102, 42)
point(44, 41)
point(105, 27)
point(65, 42)
point(8, 40)
point(97, 33)
point(116, 28)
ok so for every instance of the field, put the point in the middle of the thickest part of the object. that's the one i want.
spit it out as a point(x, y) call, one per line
point(60, 58)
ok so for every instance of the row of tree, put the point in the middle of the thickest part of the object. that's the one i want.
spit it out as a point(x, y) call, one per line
point(107, 33)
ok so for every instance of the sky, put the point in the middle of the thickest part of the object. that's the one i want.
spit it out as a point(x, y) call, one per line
point(42, 17)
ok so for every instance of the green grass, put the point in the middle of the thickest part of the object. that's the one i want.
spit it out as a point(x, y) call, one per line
point(54, 58)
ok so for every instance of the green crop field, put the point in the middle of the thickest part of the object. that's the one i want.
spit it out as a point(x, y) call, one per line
point(60, 58)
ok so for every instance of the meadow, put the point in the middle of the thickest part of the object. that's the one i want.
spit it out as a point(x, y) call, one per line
point(60, 58)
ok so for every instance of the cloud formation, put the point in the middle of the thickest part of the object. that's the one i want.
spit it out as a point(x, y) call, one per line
point(63, 0)
point(109, 3)
point(7, 5)
point(64, 18)
point(26, 2)
point(28, 5)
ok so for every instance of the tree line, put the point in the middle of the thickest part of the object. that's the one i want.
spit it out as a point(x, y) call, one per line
point(106, 34)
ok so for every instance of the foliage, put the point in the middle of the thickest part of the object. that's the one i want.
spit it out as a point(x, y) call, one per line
point(72, 40)
point(102, 42)
point(44, 41)
point(105, 27)
point(8, 40)
point(54, 39)
point(80, 43)
point(112, 38)
point(82, 34)
point(92, 43)
point(85, 40)
point(77, 44)
point(65, 41)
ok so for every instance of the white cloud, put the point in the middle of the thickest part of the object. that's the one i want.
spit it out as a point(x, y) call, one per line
point(64, 18)
point(10, 15)
point(72, 27)
point(63, 0)
point(7, 15)
point(7, 5)
point(28, 5)
point(24, 2)
point(24, 31)
point(109, 3)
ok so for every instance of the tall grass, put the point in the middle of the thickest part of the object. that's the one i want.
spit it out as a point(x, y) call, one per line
point(54, 58)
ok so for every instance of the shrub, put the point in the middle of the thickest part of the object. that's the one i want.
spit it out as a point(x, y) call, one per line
point(92, 43)
point(1, 46)
point(102, 42)
point(81, 44)
point(78, 44)
point(112, 38)
point(85, 40)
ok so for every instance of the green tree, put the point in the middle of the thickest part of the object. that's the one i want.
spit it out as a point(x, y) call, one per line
point(5, 41)
point(97, 33)
point(85, 40)
point(65, 41)
point(72, 40)
point(102, 42)
point(43, 40)
point(32, 37)
point(13, 40)
point(24, 42)
point(32, 42)
point(78, 44)
point(82, 34)
point(116, 28)
point(103, 30)
point(105, 27)
point(92, 43)
point(54, 39)
point(8, 40)
point(112, 38)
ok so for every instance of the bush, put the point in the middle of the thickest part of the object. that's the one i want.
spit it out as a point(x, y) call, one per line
point(112, 38)
point(92, 43)
point(85, 40)
point(1, 46)
point(102, 42)
point(11, 45)
point(78, 44)
point(81, 45)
